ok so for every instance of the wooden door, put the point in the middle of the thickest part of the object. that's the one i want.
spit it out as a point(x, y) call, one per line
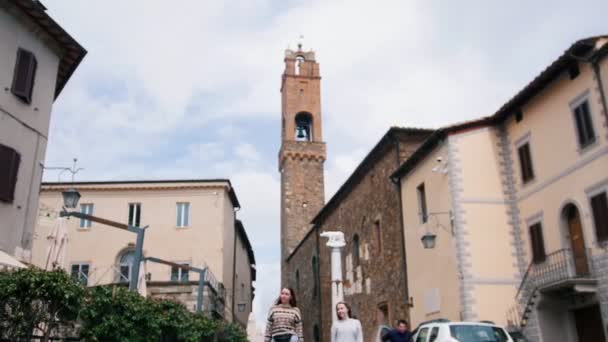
point(577, 240)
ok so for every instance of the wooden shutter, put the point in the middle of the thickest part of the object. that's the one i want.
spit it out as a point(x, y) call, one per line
point(538, 243)
point(9, 168)
point(599, 205)
point(24, 75)
point(525, 162)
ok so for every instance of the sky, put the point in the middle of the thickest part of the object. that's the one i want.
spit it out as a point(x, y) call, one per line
point(191, 89)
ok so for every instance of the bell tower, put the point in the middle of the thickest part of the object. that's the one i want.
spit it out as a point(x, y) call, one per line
point(302, 152)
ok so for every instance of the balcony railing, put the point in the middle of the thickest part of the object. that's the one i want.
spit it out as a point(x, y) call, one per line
point(558, 267)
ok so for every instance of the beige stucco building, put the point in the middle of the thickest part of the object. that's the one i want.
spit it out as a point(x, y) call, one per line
point(189, 222)
point(517, 205)
point(37, 57)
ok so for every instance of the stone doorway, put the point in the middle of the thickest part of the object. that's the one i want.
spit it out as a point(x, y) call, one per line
point(589, 326)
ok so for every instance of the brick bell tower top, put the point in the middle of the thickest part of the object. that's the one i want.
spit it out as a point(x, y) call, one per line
point(302, 152)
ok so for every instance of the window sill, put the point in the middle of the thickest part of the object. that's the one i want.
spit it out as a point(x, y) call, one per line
point(584, 149)
point(182, 227)
point(82, 229)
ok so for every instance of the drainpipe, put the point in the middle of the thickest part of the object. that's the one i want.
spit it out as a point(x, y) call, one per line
point(397, 183)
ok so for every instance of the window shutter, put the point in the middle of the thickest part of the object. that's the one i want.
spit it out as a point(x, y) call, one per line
point(538, 244)
point(9, 168)
point(599, 205)
point(24, 75)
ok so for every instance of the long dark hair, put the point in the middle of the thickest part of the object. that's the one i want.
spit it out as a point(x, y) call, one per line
point(348, 310)
point(292, 300)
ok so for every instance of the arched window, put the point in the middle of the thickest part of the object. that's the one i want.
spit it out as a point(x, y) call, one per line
point(298, 64)
point(303, 127)
point(125, 264)
point(315, 277)
point(355, 252)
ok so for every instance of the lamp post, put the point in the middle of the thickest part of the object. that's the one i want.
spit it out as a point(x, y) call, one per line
point(335, 242)
point(70, 200)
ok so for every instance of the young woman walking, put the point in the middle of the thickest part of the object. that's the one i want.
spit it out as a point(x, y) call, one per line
point(284, 319)
point(346, 329)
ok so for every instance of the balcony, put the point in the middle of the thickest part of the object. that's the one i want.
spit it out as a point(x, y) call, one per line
point(562, 272)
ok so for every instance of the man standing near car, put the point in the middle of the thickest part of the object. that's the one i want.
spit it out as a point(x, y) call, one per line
point(400, 334)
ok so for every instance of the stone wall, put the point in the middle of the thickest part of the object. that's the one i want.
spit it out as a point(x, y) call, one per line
point(302, 192)
point(378, 284)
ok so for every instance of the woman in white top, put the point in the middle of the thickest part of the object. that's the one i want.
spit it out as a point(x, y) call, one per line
point(346, 329)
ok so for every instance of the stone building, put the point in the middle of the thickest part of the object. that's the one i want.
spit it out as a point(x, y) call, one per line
point(191, 222)
point(366, 209)
point(513, 208)
point(37, 58)
point(302, 151)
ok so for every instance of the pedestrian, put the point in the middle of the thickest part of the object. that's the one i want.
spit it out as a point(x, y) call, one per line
point(284, 319)
point(400, 334)
point(346, 329)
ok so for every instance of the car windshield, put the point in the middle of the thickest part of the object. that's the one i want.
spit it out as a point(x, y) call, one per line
point(478, 333)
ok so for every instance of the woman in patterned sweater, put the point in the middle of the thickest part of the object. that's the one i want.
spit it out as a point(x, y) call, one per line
point(284, 319)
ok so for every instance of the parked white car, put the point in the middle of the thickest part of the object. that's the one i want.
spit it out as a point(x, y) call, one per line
point(446, 331)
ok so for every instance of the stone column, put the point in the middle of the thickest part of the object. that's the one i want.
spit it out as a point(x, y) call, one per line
point(335, 242)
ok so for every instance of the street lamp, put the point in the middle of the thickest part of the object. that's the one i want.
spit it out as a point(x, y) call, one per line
point(70, 198)
point(429, 239)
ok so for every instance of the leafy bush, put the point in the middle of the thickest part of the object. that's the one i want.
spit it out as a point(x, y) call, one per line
point(57, 306)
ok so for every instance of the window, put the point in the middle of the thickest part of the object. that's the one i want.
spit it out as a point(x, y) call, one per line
point(584, 124)
point(24, 75)
point(183, 214)
point(599, 206)
point(422, 203)
point(434, 333)
point(298, 281)
point(87, 209)
point(134, 214)
point(378, 237)
point(9, 159)
point(124, 266)
point(242, 307)
point(538, 243)
point(298, 64)
point(478, 333)
point(243, 292)
point(525, 163)
point(422, 335)
point(303, 127)
point(81, 273)
point(179, 274)
point(355, 252)
point(316, 333)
